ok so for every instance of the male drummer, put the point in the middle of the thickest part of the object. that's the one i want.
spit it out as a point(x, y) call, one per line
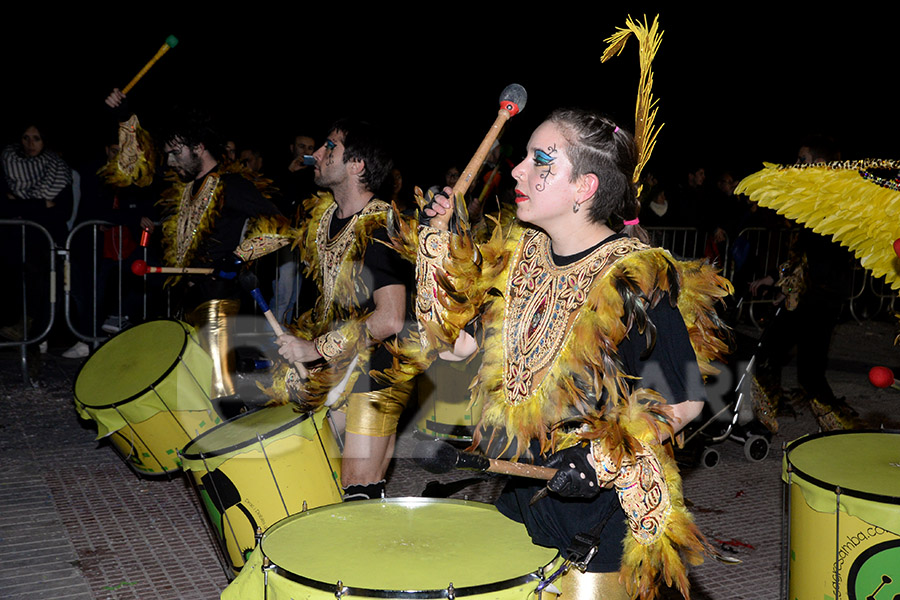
point(207, 211)
point(363, 294)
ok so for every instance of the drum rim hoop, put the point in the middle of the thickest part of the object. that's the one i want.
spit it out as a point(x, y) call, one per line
point(871, 496)
point(137, 395)
point(220, 451)
point(410, 594)
point(484, 588)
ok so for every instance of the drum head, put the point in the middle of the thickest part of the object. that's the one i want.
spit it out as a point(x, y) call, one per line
point(406, 544)
point(863, 463)
point(127, 365)
point(240, 431)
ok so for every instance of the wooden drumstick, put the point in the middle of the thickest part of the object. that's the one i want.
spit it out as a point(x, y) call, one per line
point(171, 42)
point(440, 457)
point(141, 268)
point(512, 101)
point(251, 285)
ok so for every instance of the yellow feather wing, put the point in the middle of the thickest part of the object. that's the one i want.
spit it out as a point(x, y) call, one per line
point(841, 199)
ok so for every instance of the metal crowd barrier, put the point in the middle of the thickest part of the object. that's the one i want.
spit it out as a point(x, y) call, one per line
point(23, 244)
point(752, 254)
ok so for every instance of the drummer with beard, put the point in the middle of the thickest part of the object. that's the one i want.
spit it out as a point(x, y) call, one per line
point(206, 212)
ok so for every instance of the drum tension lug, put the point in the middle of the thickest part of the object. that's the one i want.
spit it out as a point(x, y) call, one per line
point(339, 590)
point(258, 536)
point(546, 583)
point(451, 592)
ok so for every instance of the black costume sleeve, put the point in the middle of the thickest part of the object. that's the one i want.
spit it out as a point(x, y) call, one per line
point(670, 368)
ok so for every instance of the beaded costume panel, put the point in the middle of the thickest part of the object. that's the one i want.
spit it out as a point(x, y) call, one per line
point(192, 211)
point(333, 251)
point(543, 301)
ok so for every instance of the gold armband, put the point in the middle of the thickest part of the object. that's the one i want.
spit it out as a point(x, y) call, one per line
point(331, 345)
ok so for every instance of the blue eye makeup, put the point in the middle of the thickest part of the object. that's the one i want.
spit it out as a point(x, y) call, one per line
point(329, 145)
point(542, 159)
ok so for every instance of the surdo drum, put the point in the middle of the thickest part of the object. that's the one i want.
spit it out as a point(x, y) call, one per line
point(148, 391)
point(260, 467)
point(844, 515)
point(395, 548)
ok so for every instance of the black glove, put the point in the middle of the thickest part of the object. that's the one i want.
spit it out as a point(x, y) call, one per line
point(575, 477)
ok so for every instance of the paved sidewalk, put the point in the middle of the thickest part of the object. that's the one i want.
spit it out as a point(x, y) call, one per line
point(75, 523)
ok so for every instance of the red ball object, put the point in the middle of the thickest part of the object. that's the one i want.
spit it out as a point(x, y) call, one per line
point(881, 377)
point(139, 268)
point(897, 246)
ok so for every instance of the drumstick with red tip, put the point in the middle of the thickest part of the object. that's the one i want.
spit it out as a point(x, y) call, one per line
point(170, 43)
point(251, 285)
point(141, 268)
point(440, 457)
point(512, 101)
point(882, 377)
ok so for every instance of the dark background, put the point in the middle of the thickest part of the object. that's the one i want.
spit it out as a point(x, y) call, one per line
point(736, 86)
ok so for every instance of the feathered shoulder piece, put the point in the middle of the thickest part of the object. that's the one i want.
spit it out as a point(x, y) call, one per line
point(856, 202)
point(135, 164)
point(265, 235)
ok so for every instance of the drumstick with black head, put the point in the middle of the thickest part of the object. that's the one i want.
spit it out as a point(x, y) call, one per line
point(512, 102)
point(250, 283)
point(440, 457)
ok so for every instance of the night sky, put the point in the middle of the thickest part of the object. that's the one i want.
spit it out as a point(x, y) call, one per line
point(736, 87)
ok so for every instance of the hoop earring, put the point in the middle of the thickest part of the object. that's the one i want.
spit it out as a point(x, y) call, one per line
point(575, 207)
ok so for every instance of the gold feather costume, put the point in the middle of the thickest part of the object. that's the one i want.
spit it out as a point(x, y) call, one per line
point(337, 322)
point(847, 200)
point(550, 351)
point(551, 342)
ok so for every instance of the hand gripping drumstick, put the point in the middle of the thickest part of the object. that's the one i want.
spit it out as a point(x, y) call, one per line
point(441, 457)
point(171, 42)
point(251, 285)
point(512, 101)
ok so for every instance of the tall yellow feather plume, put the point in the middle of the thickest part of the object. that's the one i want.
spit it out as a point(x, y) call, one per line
point(649, 39)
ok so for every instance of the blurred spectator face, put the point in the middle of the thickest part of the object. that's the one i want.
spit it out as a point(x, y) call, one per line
point(804, 156)
point(697, 178)
point(32, 142)
point(230, 150)
point(451, 176)
point(251, 161)
point(303, 145)
point(726, 184)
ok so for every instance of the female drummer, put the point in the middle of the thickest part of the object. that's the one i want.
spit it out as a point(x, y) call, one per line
point(594, 344)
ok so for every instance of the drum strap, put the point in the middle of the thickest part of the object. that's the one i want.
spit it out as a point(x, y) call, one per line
point(583, 546)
